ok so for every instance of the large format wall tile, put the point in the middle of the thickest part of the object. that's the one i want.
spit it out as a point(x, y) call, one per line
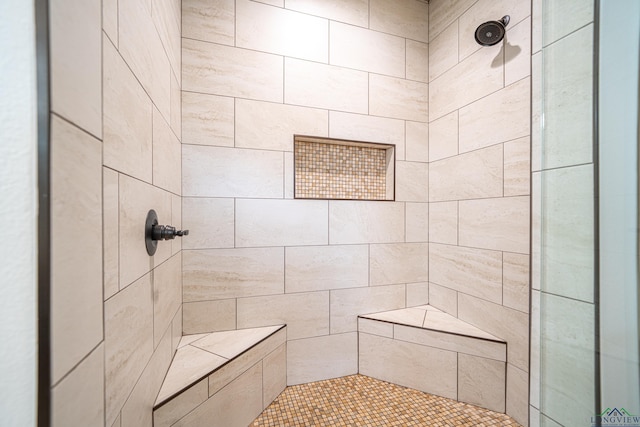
point(208, 21)
point(281, 222)
point(417, 222)
point(360, 127)
point(517, 394)
point(207, 119)
point(417, 61)
point(305, 314)
point(470, 80)
point(417, 142)
point(517, 167)
point(472, 271)
point(127, 119)
point(518, 52)
point(398, 98)
point(231, 273)
point(76, 246)
point(444, 12)
point(481, 382)
point(76, 64)
point(314, 268)
point(321, 358)
point(443, 222)
point(443, 298)
point(167, 170)
point(270, 126)
point(354, 12)
point(128, 342)
point(275, 30)
point(209, 316)
point(317, 85)
point(167, 296)
point(222, 70)
point(79, 398)
point(577, 14)
point(365, 222)
point(399, 263)
point(405, 18)
point(167, 19)
point(515, 280)
point(500, 224)
point(347, 304)
point(228, 172)
point(443, 137)
point(501, 116)
point(366, 50)
point(412, 182)
point(110, 226)
point(443, 51)
point(210, 223)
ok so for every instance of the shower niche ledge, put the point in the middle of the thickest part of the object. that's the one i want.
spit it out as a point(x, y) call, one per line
point(429, 350)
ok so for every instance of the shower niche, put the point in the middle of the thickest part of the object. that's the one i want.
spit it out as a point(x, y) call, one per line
point(338, 169)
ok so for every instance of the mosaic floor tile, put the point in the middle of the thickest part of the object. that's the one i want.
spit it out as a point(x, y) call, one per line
point(358, 400)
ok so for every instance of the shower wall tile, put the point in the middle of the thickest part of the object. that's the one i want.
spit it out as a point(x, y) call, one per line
point(373, 327)
point(472, 271)
point(517, 167)
point(176, 105)
point(417, 61)
point(481, 382)
point(443, 222)
point(269, 126)
point(305, 314)
point(167, 19)
point(141, 47)
point(167, 171)
point(443, 13)
point(176, 221)
point(347, 304)
point(518, 52)
point(417, 222)
point(210, 222)
point(367, 50)
point(417, 142)
point(399, 263)
point(110, 233)
point(405, 18)
point(79, 398)
point(184, 403)
point(136, 199)
point(318, 85)
point(398, 98)
point(228, 172)
point(281, 222)
point(443, 51)
point(207, 119)
point(432, 370)
point(500, 224)
point(515, 280)
point(566, 224)
point(207, 21)
point(412, 181)
point(138, 409)
point(230, 273)
point(417, 294)
point(365, 222)
point(284, 32)
point(568, 65)
point(313, 268)
point(482, 123)
point(223, 70)
point(321, 358)
point(274, 374)
point(468, 176)
point(443, 298)
point(477, 76)
point(176, 329)
point(488, 10)
point(360, 127)
point(76, 38)
point(508, 324)
point(110, 20)
point(443, 137)
point(167, 296)
point(354, 12)
point(127, 143)
point(288, 175)
point(517, 394)
point(128, 342)
point(76, 245)
point(208, 316)
point(575, 14)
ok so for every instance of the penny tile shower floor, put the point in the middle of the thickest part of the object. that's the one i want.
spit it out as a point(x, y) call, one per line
point(358, 400)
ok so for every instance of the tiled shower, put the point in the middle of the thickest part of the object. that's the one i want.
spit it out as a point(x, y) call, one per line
point(190, 108)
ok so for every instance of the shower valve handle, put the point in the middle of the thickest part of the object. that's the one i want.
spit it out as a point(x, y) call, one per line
point(154, 232)
point(166, 232)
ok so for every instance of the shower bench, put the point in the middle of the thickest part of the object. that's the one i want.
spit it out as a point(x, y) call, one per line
point(210, 373)
point(429, 350)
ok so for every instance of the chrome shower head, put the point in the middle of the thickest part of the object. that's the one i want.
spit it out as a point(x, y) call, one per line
point(492, 32)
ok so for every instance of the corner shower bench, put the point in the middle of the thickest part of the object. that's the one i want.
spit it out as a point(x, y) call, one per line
point(211, 373)
point(429, 350)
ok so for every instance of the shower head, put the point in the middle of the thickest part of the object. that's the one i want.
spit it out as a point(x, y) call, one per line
point(491, 32)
